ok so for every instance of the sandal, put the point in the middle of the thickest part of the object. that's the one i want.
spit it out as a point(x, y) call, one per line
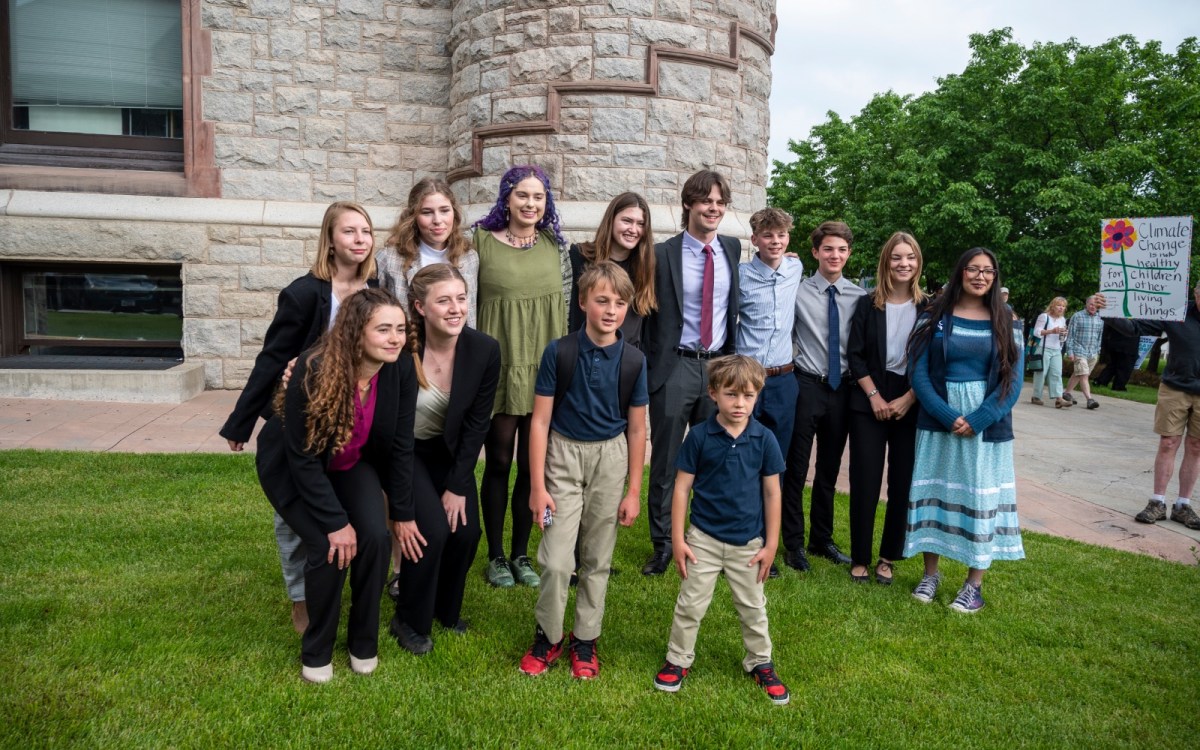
point(887, 566)
point(864, 578)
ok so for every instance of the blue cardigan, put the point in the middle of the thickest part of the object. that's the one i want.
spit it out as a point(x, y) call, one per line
point(992, 420)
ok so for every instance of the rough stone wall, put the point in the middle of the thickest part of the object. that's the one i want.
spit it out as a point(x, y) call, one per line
point(327, 99)
point(505, 55)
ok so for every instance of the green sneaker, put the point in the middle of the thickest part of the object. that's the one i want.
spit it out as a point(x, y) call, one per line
point(499, 574)
point(522, 570)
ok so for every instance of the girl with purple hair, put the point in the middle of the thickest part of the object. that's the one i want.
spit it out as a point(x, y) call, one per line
point(521, 305)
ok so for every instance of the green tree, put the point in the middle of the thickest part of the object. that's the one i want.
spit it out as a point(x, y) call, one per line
point(1024, 152)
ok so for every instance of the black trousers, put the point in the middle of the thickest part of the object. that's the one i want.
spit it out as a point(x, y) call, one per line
point(822, 413)
point(871, 443)
point(361, 495)
point(433, 586)
point(1118, 370)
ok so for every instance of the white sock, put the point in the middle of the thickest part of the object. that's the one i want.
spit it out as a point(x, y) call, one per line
point(1183, 501)
point(1157, 499)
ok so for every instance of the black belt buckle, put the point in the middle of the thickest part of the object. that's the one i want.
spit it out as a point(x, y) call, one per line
point(694, 353)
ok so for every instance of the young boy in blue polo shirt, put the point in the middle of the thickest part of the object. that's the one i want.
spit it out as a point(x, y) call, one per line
point(731, 465)
point(587, 438)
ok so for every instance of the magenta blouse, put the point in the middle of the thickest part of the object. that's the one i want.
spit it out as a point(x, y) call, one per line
point(364, 414)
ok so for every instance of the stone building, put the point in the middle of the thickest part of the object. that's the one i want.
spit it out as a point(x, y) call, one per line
point(173, 211)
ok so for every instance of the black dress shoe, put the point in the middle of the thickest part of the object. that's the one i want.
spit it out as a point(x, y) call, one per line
point(829, 551)
point(796, 559)
point(458, 628)
point(657, 564)
point(409, 639)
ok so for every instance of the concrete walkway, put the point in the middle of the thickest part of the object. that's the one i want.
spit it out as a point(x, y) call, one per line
point(1080, 474)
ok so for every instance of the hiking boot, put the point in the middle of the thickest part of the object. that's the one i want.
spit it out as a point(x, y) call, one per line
point(1155, 510)
point(1092, 404)
point(969, 599)
point(764, 675)
point(499, 574)
point(670, 677)
point(927, 588)
point(1068, 398)
point(523, 572)
point(1185, 515)
point(541, 654)
point(585, 664)
point(1036, 401)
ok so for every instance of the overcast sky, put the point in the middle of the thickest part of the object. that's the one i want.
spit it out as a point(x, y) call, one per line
point(837, 54)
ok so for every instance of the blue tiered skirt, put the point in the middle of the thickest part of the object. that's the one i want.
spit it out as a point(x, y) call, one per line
point(963, 503)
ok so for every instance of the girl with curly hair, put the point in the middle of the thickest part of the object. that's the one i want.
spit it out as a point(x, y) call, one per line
point(345, 438)
point(521, 305)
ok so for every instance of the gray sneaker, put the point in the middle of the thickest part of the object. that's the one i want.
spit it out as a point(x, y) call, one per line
point(523, 572)
point(1155, 511)
point(969, 599)
point(1068, 397)
point(1185, 515)
point(499, 574)
point(927, 588)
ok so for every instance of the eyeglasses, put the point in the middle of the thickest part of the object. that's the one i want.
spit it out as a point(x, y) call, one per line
point(977, 271)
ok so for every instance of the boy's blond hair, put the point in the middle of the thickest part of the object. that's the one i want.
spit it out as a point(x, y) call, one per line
point(736, 371)
point(766, 219)
point(605, 272)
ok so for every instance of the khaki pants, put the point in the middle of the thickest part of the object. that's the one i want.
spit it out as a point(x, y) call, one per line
point(696, 591)
point(586, 482)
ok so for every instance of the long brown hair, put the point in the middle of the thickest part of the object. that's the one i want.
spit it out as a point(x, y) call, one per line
point(883, 277)
point(323, 267)
point(641, 259)
point(418, 288)
point(330, 386)
point(405, 239)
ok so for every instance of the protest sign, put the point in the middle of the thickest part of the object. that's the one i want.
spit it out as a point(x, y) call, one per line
point(1144, 267)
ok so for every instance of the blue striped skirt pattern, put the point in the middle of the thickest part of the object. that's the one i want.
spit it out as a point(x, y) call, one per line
point(963, 502)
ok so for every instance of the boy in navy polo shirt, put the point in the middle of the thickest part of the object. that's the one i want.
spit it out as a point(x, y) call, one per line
point(731, 465)
point(581, 450)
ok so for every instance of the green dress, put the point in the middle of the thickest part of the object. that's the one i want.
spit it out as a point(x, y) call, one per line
point(521, 306)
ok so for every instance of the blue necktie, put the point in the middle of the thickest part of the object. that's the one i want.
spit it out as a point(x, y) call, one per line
point(835, 339)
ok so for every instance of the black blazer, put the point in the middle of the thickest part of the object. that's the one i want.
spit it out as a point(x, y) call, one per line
point(663, 328)
point(288, 473)
point(866, 353)
point(469, 414)
point(301, 316)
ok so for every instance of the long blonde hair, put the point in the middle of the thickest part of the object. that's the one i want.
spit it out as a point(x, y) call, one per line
point(418, 288)
point(883, 278)
point(323, 267)
point(405, 239)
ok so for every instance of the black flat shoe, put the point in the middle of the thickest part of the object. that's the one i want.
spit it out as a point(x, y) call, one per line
point(409, 639)
point(830, 552)
point(773, 572)
point(891, 570)
point(657, 564)
point(864, 578)
point(797, 560)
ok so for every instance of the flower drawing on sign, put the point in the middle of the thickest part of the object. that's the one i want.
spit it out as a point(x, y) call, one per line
point(1119, 234)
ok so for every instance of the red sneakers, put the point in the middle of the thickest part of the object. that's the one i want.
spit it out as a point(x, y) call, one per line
point(764, 675)
point(541, 654)
point(670, 677)
point(585, 665)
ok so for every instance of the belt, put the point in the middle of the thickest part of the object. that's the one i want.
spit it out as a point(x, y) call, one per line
point(696, 353)
point(822, 379)
point(781, 370)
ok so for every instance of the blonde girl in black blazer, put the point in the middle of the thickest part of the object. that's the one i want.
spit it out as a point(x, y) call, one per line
point(883, 419)
point(346, 438)
point(345, 263)
point(458, 369)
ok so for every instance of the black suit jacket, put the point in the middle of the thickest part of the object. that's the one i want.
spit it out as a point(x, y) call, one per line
point(866, 352)
point(301, 316)
point(469, 414)
point(289, 474)
point(664, 327)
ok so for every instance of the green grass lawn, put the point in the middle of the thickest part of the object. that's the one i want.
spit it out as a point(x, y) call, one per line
point(142, 606)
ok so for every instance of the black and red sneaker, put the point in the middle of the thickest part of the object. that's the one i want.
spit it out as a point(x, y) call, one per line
point(541, 654)
point(585, 664)
point(670, 677)
point(764, 675)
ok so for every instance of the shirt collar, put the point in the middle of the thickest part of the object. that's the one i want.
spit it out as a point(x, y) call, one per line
point(754, 428)
point(612, 350)
point(422, 247)
point(766, 271)
point(695, 246)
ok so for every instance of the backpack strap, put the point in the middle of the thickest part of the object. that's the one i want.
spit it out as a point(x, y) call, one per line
point(631, 367)
point(564, 366)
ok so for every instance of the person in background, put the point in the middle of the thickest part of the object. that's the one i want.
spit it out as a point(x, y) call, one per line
point(1122, 350)
point(307, 307)
point(1083, 347)
point(344, 439)
point(1051, 328)
point(522, 257)
point(883, 422)
point(966, 372)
